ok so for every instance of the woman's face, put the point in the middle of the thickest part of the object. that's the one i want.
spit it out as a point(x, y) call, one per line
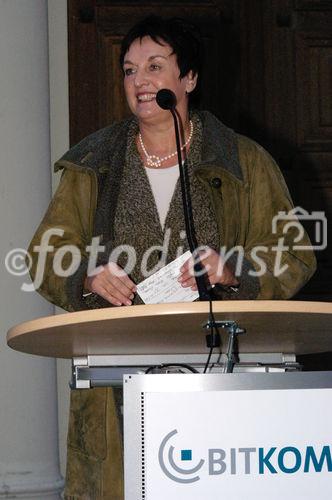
point(149, 67)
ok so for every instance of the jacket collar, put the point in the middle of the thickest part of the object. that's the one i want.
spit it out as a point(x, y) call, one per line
point(219, 147)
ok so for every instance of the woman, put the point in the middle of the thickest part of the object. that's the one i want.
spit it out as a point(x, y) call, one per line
point(121, 185)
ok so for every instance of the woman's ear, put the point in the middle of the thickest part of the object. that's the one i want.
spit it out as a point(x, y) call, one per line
point(191, 81)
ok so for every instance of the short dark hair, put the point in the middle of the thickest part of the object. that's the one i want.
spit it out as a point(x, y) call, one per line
point(182, 36)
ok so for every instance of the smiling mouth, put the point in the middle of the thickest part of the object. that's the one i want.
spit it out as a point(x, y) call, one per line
point(146, 97)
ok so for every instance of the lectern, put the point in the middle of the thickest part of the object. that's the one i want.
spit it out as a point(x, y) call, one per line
point(193, 436)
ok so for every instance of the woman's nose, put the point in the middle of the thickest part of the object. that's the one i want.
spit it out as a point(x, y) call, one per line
point(140, 78)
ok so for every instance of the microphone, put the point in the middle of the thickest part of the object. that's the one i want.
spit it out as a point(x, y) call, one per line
point(166, 99)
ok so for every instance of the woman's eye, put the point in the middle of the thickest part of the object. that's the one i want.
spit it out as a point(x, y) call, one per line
point(155, 67)
point(128, 71)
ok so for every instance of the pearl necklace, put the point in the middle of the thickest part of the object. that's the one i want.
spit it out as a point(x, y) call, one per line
point(156, 161)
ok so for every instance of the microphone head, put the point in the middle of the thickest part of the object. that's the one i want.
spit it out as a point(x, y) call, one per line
point(166, 99)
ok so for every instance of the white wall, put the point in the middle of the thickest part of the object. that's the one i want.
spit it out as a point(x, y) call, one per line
point(28, 426)
point(59, 125)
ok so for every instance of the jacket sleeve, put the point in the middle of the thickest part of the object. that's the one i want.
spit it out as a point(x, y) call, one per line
point(276, 245)
point(59, 245)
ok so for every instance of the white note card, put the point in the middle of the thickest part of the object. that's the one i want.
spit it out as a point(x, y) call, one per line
point(163, 286)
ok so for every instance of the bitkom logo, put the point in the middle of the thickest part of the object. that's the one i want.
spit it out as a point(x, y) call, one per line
point(169, 466)
point(257, 460)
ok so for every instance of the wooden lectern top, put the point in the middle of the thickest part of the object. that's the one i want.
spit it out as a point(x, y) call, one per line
point(271, 326)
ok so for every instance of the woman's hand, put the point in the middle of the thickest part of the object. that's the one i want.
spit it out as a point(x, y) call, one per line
point(111, 283)
point(215, 269)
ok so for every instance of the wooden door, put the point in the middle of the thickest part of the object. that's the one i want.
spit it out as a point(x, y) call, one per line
point(96, 29)
point(268, 74)
point(286, 104)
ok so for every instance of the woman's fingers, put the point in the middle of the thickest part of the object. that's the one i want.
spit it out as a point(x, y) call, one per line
point(117, 298)
point(214, 268)
point(115, 271)
point(187, 271)
point(112, 283)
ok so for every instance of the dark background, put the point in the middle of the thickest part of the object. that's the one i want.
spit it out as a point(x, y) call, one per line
point(268, 75)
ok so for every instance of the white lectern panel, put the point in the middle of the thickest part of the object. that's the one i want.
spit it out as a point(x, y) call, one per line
point(253, 436)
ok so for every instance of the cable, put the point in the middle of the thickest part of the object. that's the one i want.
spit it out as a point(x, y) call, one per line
point(212, 339)
point(208, 360)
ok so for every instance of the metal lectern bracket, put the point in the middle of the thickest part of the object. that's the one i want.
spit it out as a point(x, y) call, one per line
point(232, 349)
point(76, 382)
point(234, 330)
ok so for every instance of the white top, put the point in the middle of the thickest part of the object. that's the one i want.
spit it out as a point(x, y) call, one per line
point(163, 181)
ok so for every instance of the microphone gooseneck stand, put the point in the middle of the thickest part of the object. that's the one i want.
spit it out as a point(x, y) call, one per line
point(166, 99)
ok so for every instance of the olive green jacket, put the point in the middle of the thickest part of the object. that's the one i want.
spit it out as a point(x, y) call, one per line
point(246, 189)
point(242, 180)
